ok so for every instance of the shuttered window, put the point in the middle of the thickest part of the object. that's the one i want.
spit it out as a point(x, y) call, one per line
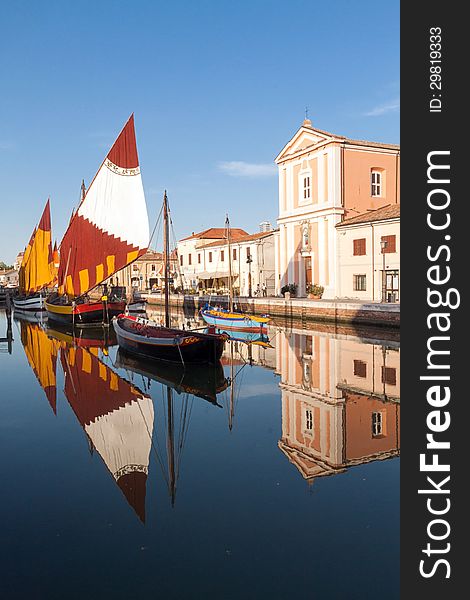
point(359, 247)
point(389, 375)
point(391, 243)
point(360, 368)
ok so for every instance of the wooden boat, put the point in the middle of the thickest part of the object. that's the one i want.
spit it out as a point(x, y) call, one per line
point(151, 340)
point(83, 311)
point(136, 304)
point(108, 231)
point(37, 270)
point(231, 319)
point(147, 338)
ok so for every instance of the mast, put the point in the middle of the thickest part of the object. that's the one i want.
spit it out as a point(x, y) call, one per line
point(166, 259)
point(230, 292)
point(232, 383)
point(170, 447)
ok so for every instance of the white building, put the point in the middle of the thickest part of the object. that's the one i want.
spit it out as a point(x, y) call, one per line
point(9, 278)
point(204, 263)
point(194, 264)
point(368, 259)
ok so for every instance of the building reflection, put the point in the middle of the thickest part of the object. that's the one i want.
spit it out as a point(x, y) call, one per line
point(340, 401)
point(340, 397)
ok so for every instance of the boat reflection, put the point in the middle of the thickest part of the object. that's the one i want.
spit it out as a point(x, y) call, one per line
point(340, 401)
point(340, 398)
point(116, 417)
point(92, 337)
point(203, 381)
point(6, 343)
point(248, 337)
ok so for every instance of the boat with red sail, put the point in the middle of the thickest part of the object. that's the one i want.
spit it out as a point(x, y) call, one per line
point(108, 231)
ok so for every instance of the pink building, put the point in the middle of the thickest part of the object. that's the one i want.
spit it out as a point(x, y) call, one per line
point(325, 178)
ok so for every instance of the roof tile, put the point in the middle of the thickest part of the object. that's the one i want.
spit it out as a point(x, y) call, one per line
point(385, 213)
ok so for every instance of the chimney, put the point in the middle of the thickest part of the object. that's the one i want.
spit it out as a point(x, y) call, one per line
point(265, 226)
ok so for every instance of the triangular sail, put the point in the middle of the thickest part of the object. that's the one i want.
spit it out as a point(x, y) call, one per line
point(55, 261)
point(117, 418)
point(41, 352)
point(37, 269)
point(23, 275)
point(110, 228)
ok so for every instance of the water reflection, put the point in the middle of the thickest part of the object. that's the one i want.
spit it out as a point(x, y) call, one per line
point(117, 419)
point(6, 342)
point(41, 352)
point(340, 401)
point(340, 397)
point(220, 490)
point(199, 380)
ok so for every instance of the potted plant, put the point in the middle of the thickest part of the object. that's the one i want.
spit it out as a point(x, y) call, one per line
point(315, 291)
point(289, 290)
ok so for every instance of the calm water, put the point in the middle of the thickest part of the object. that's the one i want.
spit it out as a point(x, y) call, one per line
point(276, 476)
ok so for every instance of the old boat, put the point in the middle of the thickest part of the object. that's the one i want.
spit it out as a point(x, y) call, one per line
point(230, 319)
point(37, 271)
point(147, 338)
point(108, 231)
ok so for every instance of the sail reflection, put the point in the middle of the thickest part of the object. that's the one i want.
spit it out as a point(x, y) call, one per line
point(41, 352)
point(116, 416)
point(340, 401)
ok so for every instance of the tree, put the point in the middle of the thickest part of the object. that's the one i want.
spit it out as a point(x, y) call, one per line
point(4, 266)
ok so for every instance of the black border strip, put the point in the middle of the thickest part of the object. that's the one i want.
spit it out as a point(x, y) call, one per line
point(422, 132)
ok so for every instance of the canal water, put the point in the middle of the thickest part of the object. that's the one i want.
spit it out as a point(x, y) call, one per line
point(274, 475)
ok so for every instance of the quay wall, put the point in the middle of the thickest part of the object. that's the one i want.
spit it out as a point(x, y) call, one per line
point(301, 309)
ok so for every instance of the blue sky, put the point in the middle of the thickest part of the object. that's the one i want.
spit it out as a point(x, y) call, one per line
point(217, 88)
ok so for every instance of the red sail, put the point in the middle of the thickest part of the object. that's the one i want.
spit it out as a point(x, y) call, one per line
point(110, 228)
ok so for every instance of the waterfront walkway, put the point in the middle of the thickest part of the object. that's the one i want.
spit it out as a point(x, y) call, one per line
point(303, 309)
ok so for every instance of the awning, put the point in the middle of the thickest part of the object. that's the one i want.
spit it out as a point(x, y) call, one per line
point(212, 275)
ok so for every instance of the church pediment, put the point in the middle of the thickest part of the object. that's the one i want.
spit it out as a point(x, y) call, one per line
point(306, 137)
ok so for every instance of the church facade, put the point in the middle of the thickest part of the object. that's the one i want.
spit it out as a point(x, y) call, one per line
point(324, 179)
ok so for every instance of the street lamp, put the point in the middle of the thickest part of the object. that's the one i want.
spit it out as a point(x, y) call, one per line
point(249, 260)
point(383, 246)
